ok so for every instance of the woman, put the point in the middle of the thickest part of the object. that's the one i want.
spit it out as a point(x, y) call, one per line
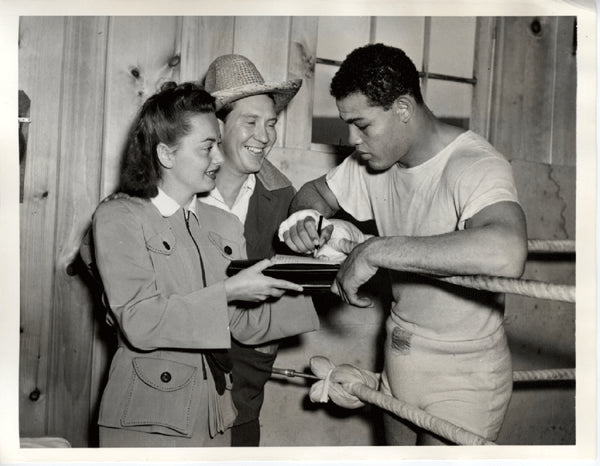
point(162, 261)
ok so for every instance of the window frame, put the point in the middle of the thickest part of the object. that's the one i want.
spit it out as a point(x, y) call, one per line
point(481, 79)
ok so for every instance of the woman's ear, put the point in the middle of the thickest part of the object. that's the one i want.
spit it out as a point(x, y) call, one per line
point(404, 107)
point(166, 155)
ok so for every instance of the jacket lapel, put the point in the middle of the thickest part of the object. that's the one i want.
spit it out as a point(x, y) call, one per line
point(260, 218)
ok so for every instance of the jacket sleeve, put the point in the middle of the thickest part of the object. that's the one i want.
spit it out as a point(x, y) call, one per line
point(288, 316)
point(148, 319)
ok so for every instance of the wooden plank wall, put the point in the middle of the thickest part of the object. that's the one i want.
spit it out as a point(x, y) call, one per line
point(40, 69)
point(86, 78)
point(532, 121)
point(72, 326)
point(540, 55)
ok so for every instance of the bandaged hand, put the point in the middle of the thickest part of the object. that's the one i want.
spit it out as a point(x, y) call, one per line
point(300, 231)
point(337, 239)
point(344, 238)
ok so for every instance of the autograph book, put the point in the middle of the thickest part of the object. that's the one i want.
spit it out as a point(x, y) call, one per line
point(313, 274)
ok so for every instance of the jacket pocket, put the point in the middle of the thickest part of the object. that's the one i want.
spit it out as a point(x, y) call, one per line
point(229, 249)
point(163, 242)
point(160, 394)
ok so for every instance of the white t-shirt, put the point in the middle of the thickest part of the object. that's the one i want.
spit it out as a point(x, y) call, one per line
point(436, 197)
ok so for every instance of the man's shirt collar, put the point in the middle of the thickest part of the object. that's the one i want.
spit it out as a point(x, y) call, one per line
point(241, 203)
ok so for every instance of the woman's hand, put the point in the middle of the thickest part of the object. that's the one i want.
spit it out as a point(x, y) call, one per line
point(252, 286)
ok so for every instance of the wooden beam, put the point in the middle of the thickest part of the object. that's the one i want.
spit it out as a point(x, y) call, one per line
point(303, 49)
point(524, 93)
point(72, 341)
point(204, 38)
point(564, 127)
point(41, 42)
point(483, 71)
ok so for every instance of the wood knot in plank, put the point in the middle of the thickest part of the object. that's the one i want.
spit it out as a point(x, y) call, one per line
point(174, 61)
point(306, 60)
point(536, 27)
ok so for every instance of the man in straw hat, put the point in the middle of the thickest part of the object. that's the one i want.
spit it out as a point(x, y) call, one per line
point(445, 203)
point(251, 188)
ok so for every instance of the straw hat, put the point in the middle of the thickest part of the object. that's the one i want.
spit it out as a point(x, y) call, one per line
point(233, 77)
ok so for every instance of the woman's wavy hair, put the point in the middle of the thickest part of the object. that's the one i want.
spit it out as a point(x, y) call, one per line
point(380, 72)
point(164, 117)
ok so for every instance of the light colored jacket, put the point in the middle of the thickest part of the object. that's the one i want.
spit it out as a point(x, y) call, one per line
point(151, 270)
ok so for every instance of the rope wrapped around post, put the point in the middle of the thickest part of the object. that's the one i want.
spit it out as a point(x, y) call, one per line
point(350, 387)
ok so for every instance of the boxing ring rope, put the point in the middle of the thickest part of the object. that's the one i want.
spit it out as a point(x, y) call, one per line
point(360, 386)
point(417, 416)
point(530, 288)
point(549, 246)
point(543, 374)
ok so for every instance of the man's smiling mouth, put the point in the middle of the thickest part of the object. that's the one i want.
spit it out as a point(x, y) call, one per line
point(212, 173)
point(255, 150)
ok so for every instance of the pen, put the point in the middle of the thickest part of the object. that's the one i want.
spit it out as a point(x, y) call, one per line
point(319, 225)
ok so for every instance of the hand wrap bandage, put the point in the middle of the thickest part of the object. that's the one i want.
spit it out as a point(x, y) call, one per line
point(334, 379)
point(333, 249)
point(289, 222)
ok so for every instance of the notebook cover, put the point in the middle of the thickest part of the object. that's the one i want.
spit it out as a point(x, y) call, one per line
point(313, 276)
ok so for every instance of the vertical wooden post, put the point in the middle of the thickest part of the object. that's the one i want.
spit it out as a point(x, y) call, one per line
point(78, 193)
point(426, 53)
point(268, 51)
point(204, 38)
point(303, 50)
point(522, 113)
point(564, 129)
point(483, 71)
point(41, 42)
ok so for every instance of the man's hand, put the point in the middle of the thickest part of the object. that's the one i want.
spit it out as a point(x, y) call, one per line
point(300, 231)
point(354, 272)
